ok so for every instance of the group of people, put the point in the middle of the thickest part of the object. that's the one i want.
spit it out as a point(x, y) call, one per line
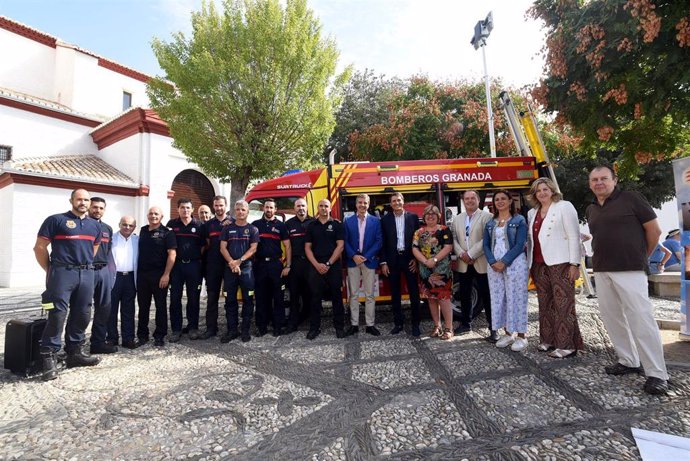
point(495, 252)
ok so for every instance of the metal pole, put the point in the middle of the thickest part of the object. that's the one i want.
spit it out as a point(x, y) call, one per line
point(492, 141)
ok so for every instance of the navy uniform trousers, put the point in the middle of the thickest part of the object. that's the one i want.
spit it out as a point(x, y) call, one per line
point(103, 285)
point(269, 294)
point(70, 288)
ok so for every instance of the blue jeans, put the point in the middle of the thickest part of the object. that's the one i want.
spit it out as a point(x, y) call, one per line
point(245, 281)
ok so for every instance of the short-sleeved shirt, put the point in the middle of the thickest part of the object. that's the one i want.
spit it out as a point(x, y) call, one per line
point(271, 233)
point(153, 248)
point(324, 238)
point(618, 239)
point(71, 238)
point(212, 230)
point(297, 231)
point(189, 238)
point(105, 246)
point(239, 238)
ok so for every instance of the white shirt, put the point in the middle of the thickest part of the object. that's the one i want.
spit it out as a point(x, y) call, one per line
point(400, 230)
point(123, 253)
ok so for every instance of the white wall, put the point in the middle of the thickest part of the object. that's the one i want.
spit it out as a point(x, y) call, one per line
point(98, 90)
point(30, 206)
point(5, 235)
point(65, 75)
point(33, 135)
point(27, 66)
point(124, 155)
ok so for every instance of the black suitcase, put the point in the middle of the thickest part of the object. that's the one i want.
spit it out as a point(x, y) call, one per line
point(22, 354)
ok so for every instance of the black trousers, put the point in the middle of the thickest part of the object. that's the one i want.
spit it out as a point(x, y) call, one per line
point(331, 282)
point(465, 280)
point(399, 270)
point(269, 294)
point(300, 293)
point(214, 280)
point(147, 286)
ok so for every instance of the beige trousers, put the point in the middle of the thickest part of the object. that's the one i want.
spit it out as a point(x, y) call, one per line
point(628, 317)
point(367, 277)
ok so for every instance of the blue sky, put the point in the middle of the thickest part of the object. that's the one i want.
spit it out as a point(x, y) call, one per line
point(393, 37)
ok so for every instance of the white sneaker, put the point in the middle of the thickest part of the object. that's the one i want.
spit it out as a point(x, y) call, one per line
point(519, 344)
point(505, 341)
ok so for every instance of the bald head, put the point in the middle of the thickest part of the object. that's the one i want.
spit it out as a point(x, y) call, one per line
point(127, 225)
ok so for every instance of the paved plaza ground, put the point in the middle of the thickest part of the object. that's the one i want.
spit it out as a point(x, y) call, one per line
point(359, 398)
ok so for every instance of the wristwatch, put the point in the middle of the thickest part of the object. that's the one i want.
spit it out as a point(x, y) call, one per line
point(435, 260)
point(328, 264)
point(241, 259)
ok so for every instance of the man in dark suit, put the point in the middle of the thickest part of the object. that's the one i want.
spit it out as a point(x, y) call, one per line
point(397, 261)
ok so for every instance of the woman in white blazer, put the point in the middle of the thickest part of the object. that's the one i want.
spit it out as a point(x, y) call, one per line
point(553, 251)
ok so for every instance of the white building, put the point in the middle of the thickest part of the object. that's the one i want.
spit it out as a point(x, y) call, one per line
point(71, 119)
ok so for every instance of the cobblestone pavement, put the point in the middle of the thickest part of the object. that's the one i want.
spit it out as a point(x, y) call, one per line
point(359, 398)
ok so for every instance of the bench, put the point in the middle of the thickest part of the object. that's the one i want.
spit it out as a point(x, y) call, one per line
point(666, 284)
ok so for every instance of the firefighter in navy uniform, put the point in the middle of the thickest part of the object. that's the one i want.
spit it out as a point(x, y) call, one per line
point(298, 282)
point(104, 278)
point(187, 270)
point(269, 270)
point(215, 264)
point(74, 239)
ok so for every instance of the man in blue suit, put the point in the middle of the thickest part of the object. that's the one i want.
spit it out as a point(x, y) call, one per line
point(397, 262)
point(363, 242)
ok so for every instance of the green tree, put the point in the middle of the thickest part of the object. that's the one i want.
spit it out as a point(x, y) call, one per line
point(252, 92)
point(365, 103)
point(617, 72)
point(429, 120)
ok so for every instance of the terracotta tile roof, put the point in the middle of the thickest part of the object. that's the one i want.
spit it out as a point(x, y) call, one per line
point(88, 168)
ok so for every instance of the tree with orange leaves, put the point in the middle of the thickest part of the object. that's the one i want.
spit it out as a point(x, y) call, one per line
point(617, 72)
point(427, 120)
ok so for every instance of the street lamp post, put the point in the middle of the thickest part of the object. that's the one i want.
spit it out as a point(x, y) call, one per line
point(481, 33)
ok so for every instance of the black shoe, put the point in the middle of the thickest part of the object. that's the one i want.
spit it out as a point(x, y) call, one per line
point(291, 329)
point(351, 330)
point(396, 329)
point(113, 342)
point(227, 337)
point(158, 342)
point(185, 330)
point(194, 334)
point(619, 369)
point(277, 332)
point(102, 349)
point(340, 333)
point(246, 337)
point(372, 330)
point(77, 358)
point(462, 329)
point(49, 366)
point(314, 333)
point(143, 340)
point(415, 331)
point(261, 332)
point(655, 386)
point(207, 334)
point(493, 336)
point(130, 344)
point(174, 337)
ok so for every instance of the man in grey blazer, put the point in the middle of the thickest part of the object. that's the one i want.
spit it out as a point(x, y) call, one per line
point(468, 231)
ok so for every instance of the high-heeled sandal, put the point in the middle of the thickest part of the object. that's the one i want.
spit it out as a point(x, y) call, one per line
point(447, 334)
point(436, 331)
